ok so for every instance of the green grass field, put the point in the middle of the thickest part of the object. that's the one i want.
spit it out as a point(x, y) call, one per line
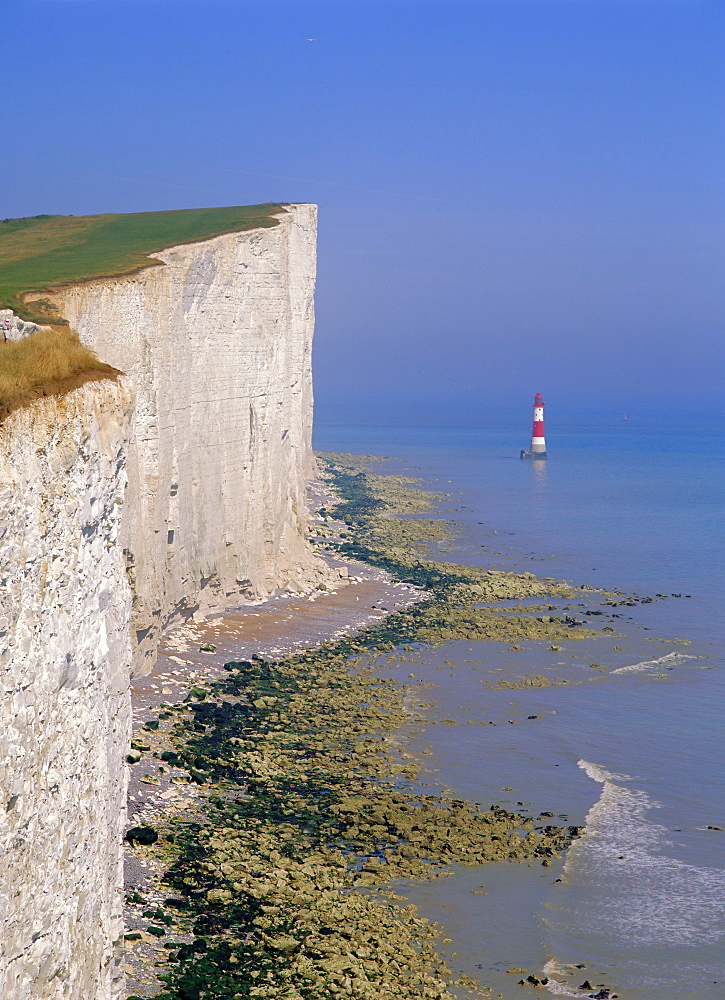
point(50, 250)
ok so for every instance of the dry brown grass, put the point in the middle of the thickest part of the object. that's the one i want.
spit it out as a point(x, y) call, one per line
point(44, 364)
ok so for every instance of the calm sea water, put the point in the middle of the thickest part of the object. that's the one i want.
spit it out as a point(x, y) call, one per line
point(631, 747)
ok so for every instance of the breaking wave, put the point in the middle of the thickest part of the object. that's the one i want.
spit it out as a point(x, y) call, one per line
point(553, 970)
point(639, 893)
point(670, 660)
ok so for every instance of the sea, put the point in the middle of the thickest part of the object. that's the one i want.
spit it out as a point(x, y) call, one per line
point(629, 740)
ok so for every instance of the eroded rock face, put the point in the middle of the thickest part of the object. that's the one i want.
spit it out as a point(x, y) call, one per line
point(217, 344)
point(65, 713)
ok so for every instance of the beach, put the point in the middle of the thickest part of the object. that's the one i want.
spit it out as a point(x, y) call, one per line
point(501, 725)
point(278, 626)
point(366, 615)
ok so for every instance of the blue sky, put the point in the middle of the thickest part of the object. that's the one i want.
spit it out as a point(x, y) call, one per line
point(515, 195)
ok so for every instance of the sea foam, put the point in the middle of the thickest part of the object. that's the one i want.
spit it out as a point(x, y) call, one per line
point(667, 661)
point(637, 892)
point(555, 972)
point(628, 891)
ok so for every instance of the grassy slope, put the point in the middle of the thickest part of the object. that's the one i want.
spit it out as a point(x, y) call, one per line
point(46, 363)
point(50, 250)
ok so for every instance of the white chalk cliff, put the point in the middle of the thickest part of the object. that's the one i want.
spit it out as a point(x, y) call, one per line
point(65, 710)
point(124, 507)
point(217, 344)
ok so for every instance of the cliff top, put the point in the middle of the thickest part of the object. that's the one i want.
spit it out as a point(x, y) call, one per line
point(46, 251)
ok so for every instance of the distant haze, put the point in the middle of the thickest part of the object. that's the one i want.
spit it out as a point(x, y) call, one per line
point(515, 195)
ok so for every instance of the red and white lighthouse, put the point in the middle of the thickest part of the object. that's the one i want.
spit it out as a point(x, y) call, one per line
point(538, 441)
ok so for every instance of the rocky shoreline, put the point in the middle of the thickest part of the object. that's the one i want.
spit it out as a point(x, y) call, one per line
point(289, 799)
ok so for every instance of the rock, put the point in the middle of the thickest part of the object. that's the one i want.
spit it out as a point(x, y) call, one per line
point(141, 835)
point(283, 942)
point(207, 647)
point(219, 895)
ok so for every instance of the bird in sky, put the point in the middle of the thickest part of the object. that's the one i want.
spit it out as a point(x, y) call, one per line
point(310, 39)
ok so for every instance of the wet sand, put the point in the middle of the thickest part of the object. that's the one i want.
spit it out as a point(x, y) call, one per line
point(276, 627)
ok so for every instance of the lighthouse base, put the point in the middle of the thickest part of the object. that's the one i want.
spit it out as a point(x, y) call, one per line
point(532, 454)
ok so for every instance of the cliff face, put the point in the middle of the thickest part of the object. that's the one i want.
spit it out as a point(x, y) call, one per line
point(209, 435)
point(65, 710)
point(217, 344)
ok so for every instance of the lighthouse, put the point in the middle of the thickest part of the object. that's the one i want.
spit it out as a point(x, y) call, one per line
point(538, 441)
